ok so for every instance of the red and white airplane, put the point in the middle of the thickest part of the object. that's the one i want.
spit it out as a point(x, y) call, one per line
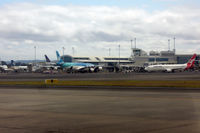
point(172, 67)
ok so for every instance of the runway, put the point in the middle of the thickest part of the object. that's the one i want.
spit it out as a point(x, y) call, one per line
point(99, 111)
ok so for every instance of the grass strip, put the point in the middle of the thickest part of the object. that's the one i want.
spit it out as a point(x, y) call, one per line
point(22, 83)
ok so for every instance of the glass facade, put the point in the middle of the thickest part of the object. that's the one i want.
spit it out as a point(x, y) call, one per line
point(158, 59)
point(183, 59)
point(116, 58)
point(67, 58)
point(81, 58)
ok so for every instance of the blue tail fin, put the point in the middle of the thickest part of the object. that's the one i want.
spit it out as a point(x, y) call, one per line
point(58, 55)
point(47, 59)
point(60, 61)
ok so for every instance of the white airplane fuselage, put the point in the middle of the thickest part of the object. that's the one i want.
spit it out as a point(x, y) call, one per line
point(167, 67)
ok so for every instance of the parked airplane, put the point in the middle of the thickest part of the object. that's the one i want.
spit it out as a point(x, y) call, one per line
point(43, 66)
point(172, 67)
point(18, 68)
point(77, 66)
point(4, 68)
point(50, 64)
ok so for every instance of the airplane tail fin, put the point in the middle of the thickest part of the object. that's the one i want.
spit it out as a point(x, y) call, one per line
point(60, 61)
point(58, 55)
point(190, 63)
point(12, 63)
point(47, 59)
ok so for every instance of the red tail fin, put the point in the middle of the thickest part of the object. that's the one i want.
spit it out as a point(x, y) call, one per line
point(190, 63)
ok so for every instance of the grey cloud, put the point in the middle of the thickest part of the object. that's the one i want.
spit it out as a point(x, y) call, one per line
point(27, 36)
point(99, 36)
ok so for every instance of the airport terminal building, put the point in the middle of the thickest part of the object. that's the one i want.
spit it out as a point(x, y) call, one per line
point(138, 58)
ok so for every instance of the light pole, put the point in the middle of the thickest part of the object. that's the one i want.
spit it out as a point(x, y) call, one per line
point(119, 54)
point(135, 42)
point(131, 44)
point(73, 51)
point(63, 51)
point(109, 51)
point(174, 45)
point(35, 54)
point(168, 44)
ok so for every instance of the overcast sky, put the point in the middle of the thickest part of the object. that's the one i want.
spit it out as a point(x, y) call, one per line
point(92, 27)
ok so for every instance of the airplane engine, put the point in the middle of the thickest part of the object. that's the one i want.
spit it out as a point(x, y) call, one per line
point(97, 69)
point(100, 68)
point(92, 69)
point(169, 70)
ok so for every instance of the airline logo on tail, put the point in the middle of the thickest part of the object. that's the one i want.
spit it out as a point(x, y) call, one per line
point(190, 63)
point(47, 59)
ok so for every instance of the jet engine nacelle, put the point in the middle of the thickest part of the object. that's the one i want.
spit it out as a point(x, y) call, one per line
point(91, 69)
point(98, 68)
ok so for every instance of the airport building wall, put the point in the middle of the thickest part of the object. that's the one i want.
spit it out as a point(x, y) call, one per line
point(102, 61)
point(141, 58)
point(181, 59)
